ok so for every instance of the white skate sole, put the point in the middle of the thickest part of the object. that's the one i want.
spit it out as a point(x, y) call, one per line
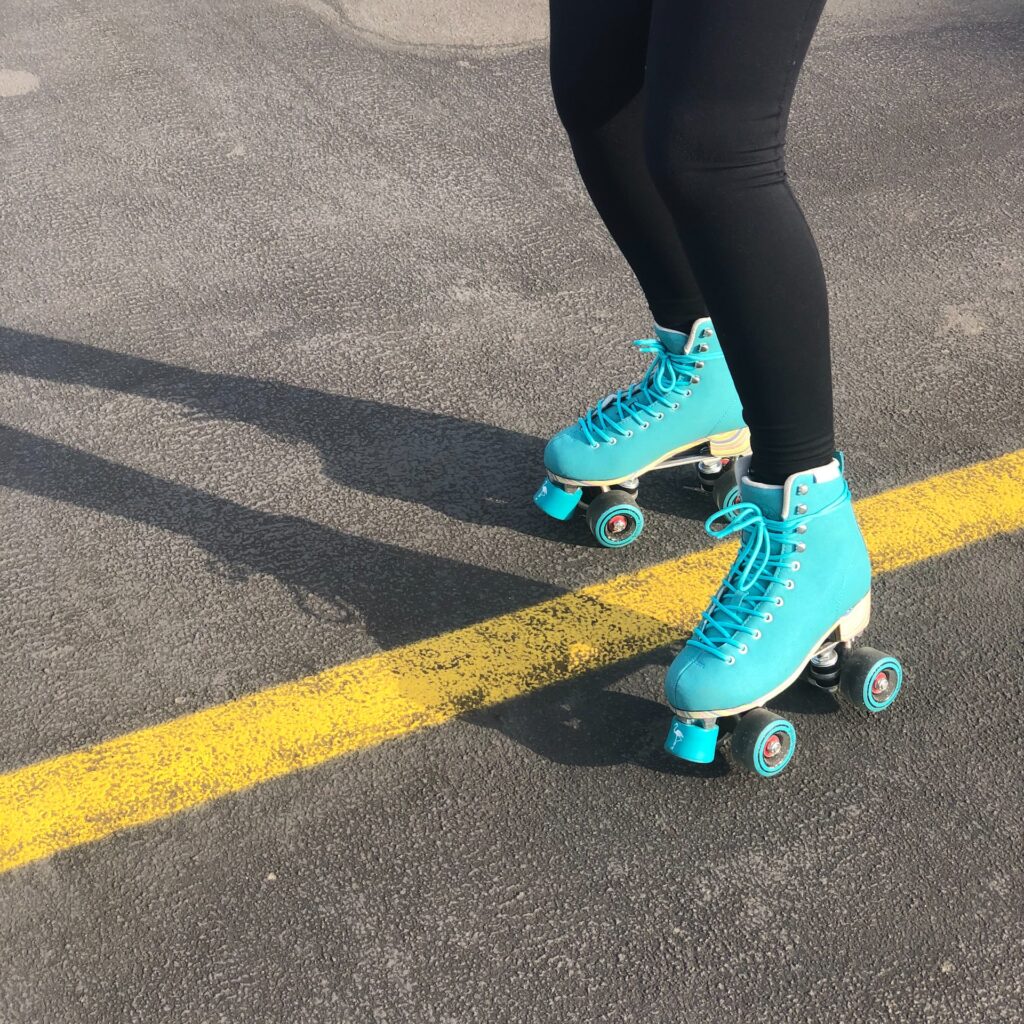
point(720, 446)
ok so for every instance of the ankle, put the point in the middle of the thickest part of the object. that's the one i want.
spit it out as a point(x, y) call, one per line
point(768, 477)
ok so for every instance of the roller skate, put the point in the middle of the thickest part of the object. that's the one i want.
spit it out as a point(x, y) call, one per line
point(684, 410)
point(797, 595)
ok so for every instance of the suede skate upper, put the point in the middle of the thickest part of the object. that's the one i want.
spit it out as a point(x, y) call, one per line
point(801, 567)
point(685, 396)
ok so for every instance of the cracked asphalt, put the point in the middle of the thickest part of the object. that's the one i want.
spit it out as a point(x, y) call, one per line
point(291, 296)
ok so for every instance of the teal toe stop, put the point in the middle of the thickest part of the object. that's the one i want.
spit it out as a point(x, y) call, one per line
point(556, 501)
point(692, 740)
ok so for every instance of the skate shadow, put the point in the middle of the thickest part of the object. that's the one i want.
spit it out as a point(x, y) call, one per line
point(581, 722)
point(803, 699)
point(676, 492)
point(391, 594)
point(471, 471)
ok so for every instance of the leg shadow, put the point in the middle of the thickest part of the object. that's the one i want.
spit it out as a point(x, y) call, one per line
point(396, 595)
point(473, 472)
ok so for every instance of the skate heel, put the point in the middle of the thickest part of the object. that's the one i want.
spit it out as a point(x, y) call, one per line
point(730, 444)
point(855, 621)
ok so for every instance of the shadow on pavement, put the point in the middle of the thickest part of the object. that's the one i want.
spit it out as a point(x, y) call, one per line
point(473, 472)
point(369, 584)
point(397, 595)
point(373, 585)
point(581, 722)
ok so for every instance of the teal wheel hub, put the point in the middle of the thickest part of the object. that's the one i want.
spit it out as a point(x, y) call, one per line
point(763, 742)
point(871, 679)
point(615, 518)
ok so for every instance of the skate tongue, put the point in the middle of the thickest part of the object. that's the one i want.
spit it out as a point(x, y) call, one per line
point(674, 341)
point(767, 497)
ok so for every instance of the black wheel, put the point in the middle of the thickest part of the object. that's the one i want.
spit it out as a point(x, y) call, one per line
point(763, 742)
point(725, 490)
point(709, 477)
point(823, 673)
point(871, 679)
point(591, 494)
point(615, 518)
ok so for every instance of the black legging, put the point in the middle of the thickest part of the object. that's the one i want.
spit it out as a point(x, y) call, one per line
point(676, 111)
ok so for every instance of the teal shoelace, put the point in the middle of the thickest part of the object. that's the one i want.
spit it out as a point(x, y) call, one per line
point(766, 550)
point(667, 378)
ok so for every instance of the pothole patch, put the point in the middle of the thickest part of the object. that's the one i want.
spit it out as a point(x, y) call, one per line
point(17, 83)
point(439, 24)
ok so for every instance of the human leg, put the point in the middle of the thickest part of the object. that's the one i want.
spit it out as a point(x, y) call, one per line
point(720, 80)
point(598, 57)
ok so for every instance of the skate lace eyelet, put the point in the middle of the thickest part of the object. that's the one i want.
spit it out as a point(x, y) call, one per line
point(644, 426)
point(801, 548)
point(698, 366)
point(675, 405)
point(702, 348)
point(659, 415)
point(731, 660)
point(768, 617)
point(687, 393)
point(629, 433)
point(789, 584)
point(695, 380)
point(778, 602)
point(595, 445)
point(612, 440)
point(757, 634)
point(743, 648)
point(795, 566)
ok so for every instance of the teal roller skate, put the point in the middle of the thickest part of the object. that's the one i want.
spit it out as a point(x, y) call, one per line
point(797, 595)
point(684, 410)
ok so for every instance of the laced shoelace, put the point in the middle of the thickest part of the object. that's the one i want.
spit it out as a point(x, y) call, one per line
point(767, 549)
point(669, 375)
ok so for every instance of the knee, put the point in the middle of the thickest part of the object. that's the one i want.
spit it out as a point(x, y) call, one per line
point(701, 155)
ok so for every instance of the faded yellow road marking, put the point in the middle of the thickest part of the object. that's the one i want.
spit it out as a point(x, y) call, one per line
point(152, 773)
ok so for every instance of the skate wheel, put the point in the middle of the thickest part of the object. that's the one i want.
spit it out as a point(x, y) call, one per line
point(871, 679)
point(710, 471)
point(763, 742)
point(555, 500)
point(725, 490)
point(615, 519)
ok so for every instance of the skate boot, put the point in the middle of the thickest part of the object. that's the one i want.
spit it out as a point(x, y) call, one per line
point(683, 410)
point(796, 596)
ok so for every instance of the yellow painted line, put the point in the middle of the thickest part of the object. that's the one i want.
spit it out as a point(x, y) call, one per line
point(140, 777)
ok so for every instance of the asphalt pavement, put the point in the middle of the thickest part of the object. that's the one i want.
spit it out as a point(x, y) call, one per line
point(291, 296)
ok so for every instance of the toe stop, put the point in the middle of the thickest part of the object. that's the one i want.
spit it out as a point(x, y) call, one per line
point(556, 501)
point(692, 740)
